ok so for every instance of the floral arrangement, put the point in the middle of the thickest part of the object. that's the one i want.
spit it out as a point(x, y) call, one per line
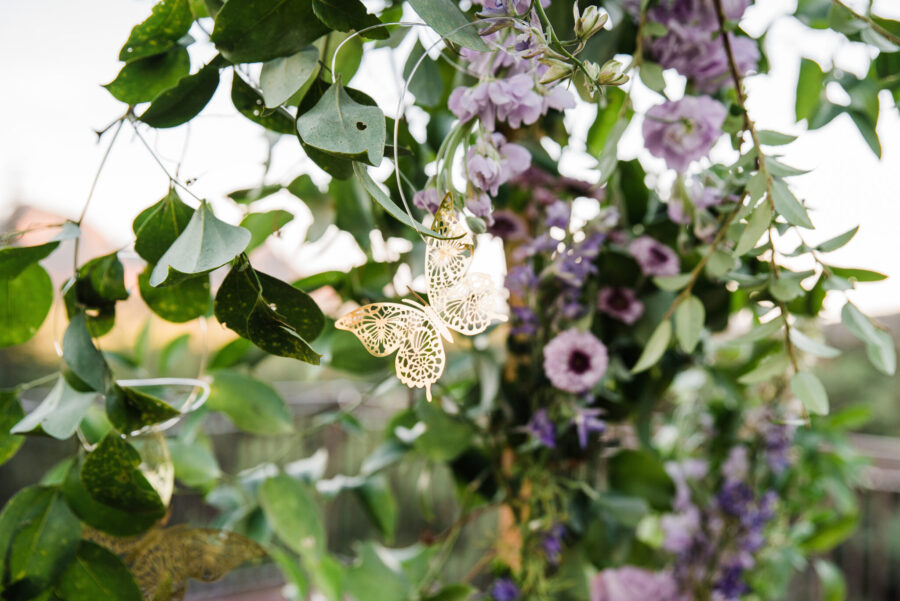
point(647, 426)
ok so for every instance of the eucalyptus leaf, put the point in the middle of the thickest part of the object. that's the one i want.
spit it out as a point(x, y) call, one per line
point(445, 18)
point(25, 301)
point(250, 104)
point(293, 514)
point(130, 409)
point(185, 100)
point(168, 23)
point(768, 137)
point(339, 125)
point(345, 15)
point(655, 347)
point(788, 206)
point(179, 302)
point(10, 414)
point(158, 226)
point(144, 79)
point(689, 318)
point(83, 358)
point(111, 476)
point(14, 259)
point(768, 368)
point(59, 414)
point(813, 347)
point(879, 344)
point(280, 78)
point(205, 244)
point(759, 222)
point(807, 387)
point(252, 405)
point(263, 225)
point(837, 242)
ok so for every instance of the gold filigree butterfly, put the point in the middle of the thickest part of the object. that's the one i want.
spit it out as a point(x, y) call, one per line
point(464, 302)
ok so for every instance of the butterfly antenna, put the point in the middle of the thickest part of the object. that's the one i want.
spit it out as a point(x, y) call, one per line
point(416, 294)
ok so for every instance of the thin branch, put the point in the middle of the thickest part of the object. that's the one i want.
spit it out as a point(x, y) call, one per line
point(886, 34)
point(159, 162)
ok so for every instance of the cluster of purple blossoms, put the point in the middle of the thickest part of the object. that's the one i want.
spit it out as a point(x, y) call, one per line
point(629, 583)
point(428, 199)
point(575, 361)
point(552, 543)
point(542, 428)
point(654, 258)
point(490, 163)
point(716, 543)
point(684, 130)
point(504, 589)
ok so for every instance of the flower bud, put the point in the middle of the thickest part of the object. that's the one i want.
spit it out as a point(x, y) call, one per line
point(558, 70)
point(589, 22)
point(611, 74)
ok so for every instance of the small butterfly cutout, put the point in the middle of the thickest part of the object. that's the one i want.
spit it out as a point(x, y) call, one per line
point(464, 302)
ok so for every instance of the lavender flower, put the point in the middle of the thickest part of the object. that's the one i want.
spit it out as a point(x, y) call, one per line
point(734, 498)
point(428, 199)
point(730, 585)
point(587, 421)
point(508, 226)
point(542, 428)
point(558, 215)
point(553, 543)
point(504, 589)
point(621, 304)
point(654, 258)
point(778, 439)
point(736, 466)
point(575, 361)
point(521, 279)
point(683, 131)
point(629, 583)
point(525, 321)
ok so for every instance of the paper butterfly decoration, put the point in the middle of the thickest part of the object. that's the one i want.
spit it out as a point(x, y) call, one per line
point(464, 302)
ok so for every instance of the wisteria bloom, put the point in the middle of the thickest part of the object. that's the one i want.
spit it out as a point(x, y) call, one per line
point(428, 199)
point(525, 321)
point(542, 428)
point(655, 259)
point(629, 583)
point(575, 361)
point(504, 589)
point(620, 303)
point(494, 161)
point(684, 130)
point(521, 280)
point(558, 214)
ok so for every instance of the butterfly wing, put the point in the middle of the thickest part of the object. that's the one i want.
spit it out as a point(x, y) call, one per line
point(470, 305)
point(420, 361)
point(381, 327)
point(446, 261)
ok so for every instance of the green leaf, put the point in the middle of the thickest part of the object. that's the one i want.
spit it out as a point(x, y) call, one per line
point(14, 259)
point(168, 23)
point(375, 579)
point(101, 280)
point(195, 465)
point(768, 137)
point(39, 536)
point(785, 289)
point(387, 204)
point(788, 206)
point(759, 332)
point(453, 592)
point(59, 413)
point(291, 571)
point(446, 436)
point(445, 18)
point(281, 78)
point(879, 344)
point(25, 301)
point(807, 387)
point(655, 347)
point(158, 226)
point(832, 580)
point(672, 283)
point(183, 102)
point(293, 514)
point(378, 500)
point(719, 263)
point(427, 85)
point(247, 196)
point(859, 275)
point(340, 126)
point(205, 244)
point(866, 126)
point(652, 76)
point(641, 474)
point(837, 242)
point(179, 302)
point(759, 222)
point(263, 225)
point(97, 573)
point(244, 307)
point(146, 78)
point(250, 104)
point(83, 358)
point(117, 522)
point(344, 15)
point(252, 405)
point(607, 115)
point(319, 204)
point(689, 318)
point(129, 409)
point(770, 367)
point(810, 87)
point(778, 169)
point(814, 347)
point(10, 413)
point(111, 476)
point(250, 31)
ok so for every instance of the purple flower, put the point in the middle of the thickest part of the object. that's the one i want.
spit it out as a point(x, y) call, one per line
point(573, 269)
point(778, 439)
point(734, 498)
point(507, 7)
point(504, 589)
point(587, 421)
point(654, 258)
point(736, 466)
point(479, 204)
point(730, 585)
point(483, 171)
point(521, 280)
point(553, 543)
point(629, 583)
point(575, 361)
point(508, 226)
point(525, 321)
point(620, 303)
point(493, 161)
point(428, 199)
point(558, 214)
point(679, 529)
point(542, 428)
point(684, 130)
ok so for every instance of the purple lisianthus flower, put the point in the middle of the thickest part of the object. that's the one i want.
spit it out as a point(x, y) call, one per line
point(504, 589)
point(654, 258)
point(587, 421)
point(509, 226)
point(629, 583)
point(712, 71)
point(620, 303)
point(428, 199)
point(575, 361)
point(553, 543)
point(558, 214)
point(684, 130)
point(542, 428)
point(516, 100)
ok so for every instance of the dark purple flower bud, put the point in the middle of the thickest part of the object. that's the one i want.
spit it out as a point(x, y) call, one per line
point(731, 583)
point(525, 321)
point(508, 226)
point(734, 498)
point(521, 280)
point(654, 258)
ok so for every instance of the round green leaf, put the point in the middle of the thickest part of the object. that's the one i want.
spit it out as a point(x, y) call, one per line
point(252, 405)
point(280, 78)
point(158, 226)
point(25, 301)
point(179, 302)
point(811, 392)
point(168, 23)
point(105, 518)
point(185, 100)
point(97, 573)
point(293, 514)
point(144, 79)
point(10, 413)
point(689, 318)
point(111, 476)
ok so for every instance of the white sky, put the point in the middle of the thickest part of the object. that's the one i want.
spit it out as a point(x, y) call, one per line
point(57, 53)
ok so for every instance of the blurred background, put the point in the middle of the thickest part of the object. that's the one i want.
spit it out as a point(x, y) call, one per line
point(59, 53)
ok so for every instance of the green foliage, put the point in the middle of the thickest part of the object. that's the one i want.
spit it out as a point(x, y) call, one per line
point(250, 104)
point(185, 100)
point(10, 414)
point(281, 78)
point(291, 510)
point(162, 30)
point(445, 18)
point(640, 474)
point(97, 573)
point(59, 414)
point(111, 476)
point(25, 301)
point(252, 405)
point(144, 79)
